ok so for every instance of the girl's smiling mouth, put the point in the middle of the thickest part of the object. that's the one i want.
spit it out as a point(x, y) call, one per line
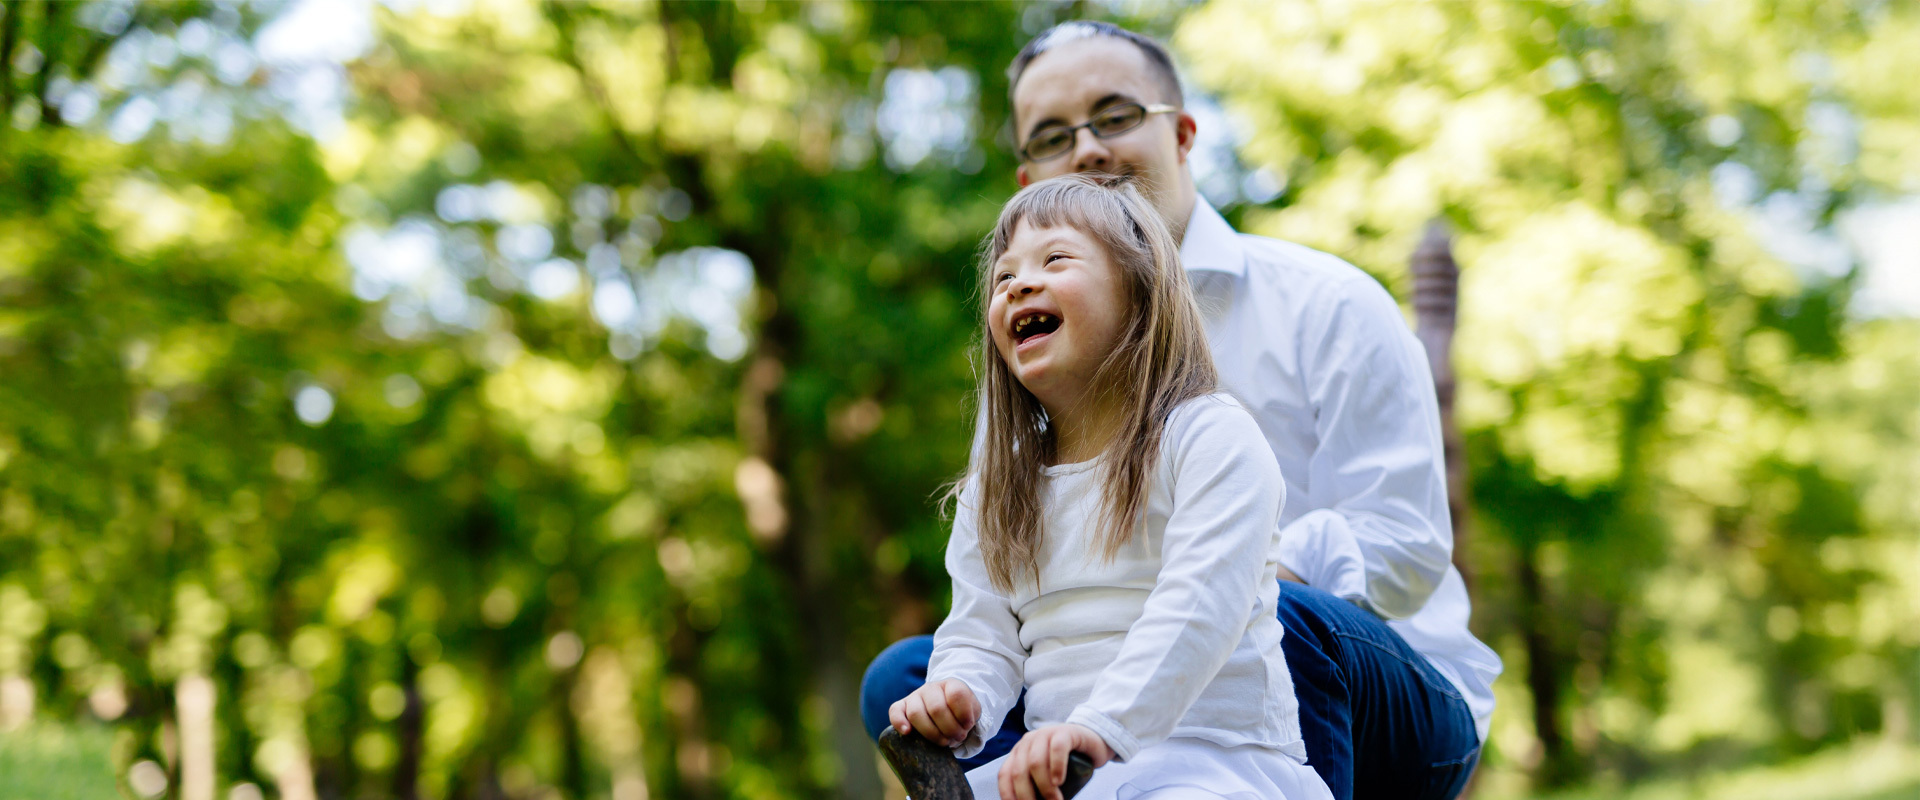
point(1030, 328)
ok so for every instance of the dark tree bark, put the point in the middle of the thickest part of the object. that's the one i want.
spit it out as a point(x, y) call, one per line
point(9, 38)
point(1436, 300)
point(573, 762)
point(410, 726)
point(1543, 666)
point(51, 39)
point(800, 547)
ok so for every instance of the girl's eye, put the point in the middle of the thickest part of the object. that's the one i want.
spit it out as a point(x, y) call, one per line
point(1052, 256)
point(1003, 277)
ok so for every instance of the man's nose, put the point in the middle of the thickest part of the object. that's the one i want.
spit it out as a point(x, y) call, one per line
point(1089, 153)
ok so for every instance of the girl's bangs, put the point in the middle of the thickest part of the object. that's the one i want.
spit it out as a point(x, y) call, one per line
point(1085, 206)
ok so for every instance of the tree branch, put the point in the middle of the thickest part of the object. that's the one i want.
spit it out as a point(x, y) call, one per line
point(49, 58)
point(562, 20)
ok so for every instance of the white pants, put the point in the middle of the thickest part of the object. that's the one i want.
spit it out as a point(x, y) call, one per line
point(1187, 769)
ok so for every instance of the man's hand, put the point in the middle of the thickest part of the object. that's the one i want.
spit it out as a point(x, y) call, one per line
point(1287, 575)
point(942, 712)
point(1040, 760)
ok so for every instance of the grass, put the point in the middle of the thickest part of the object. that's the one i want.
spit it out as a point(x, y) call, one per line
point(48, 761)
point(57, 762)
point(1867, 770)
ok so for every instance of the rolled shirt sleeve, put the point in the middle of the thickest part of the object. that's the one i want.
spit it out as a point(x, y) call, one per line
point(1227, 496)
point(1380, 534)
point(979, 643)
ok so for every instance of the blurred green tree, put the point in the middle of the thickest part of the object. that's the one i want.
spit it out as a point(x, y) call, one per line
point(501, 398)
point(1640, 372)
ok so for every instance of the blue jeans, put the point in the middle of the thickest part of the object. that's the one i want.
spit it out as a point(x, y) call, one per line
point(1378, 720)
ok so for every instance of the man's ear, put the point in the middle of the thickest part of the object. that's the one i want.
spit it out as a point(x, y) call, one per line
point(1184, 129)
point(1020, 174)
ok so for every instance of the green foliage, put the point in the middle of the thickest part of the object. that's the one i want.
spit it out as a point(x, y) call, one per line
point(566, 415)
point(1647, 391)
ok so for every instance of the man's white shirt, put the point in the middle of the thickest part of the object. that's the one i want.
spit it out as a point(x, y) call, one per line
point(1320, 354)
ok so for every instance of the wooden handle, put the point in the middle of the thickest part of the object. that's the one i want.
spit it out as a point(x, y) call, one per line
point(927, 770)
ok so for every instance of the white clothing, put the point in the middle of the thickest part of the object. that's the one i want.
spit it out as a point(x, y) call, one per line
point(1186, 769)
point(1322, 357)
point(1176, 636)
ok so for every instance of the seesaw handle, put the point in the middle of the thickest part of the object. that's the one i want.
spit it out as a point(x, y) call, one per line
point(930, 772)
point(1079, 771)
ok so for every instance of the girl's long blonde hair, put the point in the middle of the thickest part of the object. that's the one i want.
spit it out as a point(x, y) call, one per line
point(1161, 361)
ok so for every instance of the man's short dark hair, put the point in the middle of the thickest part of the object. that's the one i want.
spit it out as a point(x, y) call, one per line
point(1087, 29)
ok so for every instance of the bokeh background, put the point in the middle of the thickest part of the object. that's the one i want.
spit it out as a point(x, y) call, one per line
point(502, 399)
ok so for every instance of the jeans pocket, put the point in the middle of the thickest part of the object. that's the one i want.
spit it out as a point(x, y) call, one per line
point(1445, 779)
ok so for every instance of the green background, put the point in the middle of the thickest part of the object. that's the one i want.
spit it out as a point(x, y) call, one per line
point(494, 398)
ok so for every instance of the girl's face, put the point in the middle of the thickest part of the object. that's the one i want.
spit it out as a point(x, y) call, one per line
point(1058, 307)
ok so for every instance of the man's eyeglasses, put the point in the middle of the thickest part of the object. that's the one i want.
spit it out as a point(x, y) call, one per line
point(1112, 121)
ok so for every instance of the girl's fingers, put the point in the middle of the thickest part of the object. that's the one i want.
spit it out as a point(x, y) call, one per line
point(960, 699)
point(1014, 783)
point(942, 717)
point(1036, 771)
point(1058, 749)
point(1037, 766)
point(897, 716)
point(917, 715)
point(1046, 787)
point(1018, 776)
point(1013, 777)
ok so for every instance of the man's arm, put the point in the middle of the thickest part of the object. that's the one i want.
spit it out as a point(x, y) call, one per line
point(1379, 533)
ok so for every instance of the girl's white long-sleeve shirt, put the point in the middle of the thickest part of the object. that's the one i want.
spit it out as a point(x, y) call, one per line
point(1175, 636)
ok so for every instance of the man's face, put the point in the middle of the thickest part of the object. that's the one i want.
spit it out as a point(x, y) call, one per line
point(1068, 84)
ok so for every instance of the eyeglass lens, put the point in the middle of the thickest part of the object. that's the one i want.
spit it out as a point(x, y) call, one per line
point(1110, 122)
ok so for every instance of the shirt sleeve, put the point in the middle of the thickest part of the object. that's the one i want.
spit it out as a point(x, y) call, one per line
point(979, 643)
point(1227, 495)
point(1380, 535)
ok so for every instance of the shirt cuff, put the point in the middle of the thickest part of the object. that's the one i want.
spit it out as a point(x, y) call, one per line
point(1320, 548)
point(1123, 744)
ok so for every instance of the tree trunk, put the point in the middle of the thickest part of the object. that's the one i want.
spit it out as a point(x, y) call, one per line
point(51, 41)
point(193, 703)
point(410, 726)
point(9, 36)
point(1543, 667)
point(1436, 300)
point(573, 765)
point(800, 551)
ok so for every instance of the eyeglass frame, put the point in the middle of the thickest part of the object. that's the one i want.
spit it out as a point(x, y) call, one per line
point(1073, 131)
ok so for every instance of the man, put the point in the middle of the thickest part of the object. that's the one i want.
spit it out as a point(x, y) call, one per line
point(1395, 693)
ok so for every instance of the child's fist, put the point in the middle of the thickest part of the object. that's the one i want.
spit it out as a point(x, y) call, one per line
point(942, 712)
point(1037, 765)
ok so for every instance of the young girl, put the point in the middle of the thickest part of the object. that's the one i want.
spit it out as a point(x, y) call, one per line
point(1113, 548)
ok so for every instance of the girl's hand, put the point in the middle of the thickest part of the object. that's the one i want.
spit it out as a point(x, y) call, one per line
point(942, 712)
point(1040, 760)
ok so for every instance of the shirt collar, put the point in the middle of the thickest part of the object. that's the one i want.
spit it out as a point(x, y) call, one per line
point(1211, 244)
